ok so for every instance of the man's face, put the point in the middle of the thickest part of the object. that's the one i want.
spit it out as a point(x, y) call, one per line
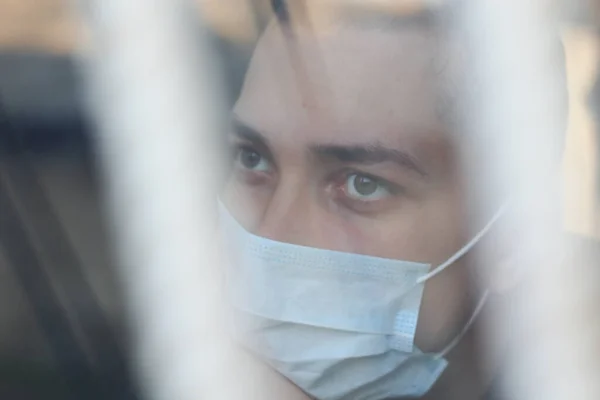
point(340, 143)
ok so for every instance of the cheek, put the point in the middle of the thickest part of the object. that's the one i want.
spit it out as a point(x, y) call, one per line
point(444, 310)
point(345, 235)
point(446, 299)
point(431, 232)
point(447, 296)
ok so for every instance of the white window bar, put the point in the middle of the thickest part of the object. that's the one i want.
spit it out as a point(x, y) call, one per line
point(516, 124)
point(155, 100)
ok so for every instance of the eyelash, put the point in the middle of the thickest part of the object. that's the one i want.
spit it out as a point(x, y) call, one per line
point(246, 174)
point(338, 180)
point(341, 189)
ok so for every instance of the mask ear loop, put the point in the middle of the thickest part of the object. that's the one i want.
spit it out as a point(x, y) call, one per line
point(453, 259)
point(466, 328)
point(466, 248)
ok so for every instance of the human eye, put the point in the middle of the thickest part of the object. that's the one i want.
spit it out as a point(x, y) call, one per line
point(249, 159)
point(249, 165)
point(365, 188)
point(365, 193)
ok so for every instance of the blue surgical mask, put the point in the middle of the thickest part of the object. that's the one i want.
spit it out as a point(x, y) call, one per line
point(338, 325)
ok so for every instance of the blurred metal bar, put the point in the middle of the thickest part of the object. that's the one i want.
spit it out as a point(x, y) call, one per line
point(514, 121)
point(155, 101)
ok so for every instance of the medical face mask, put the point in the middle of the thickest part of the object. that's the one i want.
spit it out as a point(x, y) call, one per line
point(338, 325)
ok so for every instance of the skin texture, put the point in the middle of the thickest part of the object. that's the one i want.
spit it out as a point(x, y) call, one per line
point(311, 107)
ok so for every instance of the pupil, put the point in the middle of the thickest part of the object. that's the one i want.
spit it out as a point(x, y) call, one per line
point(365, 186)
point(250, 159)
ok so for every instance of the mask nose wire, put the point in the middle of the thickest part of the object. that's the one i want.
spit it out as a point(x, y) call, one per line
point(466, 248)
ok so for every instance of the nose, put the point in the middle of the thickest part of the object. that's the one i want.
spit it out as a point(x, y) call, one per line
point(292, 215)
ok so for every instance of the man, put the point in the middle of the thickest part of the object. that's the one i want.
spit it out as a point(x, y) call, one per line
point(345, 143)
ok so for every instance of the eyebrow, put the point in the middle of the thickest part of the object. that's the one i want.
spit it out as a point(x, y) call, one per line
point(370, 154)
point(245, 131)
point(252, 135)
point(358, 154)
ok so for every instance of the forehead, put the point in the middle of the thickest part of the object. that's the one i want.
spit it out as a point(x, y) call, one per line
point(350, 81)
